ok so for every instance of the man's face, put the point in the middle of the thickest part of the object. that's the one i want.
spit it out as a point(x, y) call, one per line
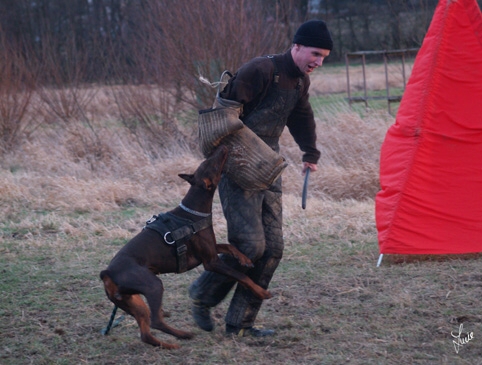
point(308, 58)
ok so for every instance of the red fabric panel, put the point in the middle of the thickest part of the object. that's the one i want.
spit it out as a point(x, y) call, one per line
point(430, 200)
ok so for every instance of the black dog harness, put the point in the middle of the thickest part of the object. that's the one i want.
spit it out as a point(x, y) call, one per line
point(178, 231)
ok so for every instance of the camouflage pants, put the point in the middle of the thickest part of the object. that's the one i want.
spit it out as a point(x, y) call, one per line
point(254, 220)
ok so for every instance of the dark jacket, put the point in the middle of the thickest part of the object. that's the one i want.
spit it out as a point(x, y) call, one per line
point(253, 80)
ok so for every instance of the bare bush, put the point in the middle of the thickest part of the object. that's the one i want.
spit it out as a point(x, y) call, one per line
point(64, 100)
point(147, 112)
point(173, 46)
point(16, 88)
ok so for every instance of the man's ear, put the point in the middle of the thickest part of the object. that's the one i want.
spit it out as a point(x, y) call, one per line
point(188, 177)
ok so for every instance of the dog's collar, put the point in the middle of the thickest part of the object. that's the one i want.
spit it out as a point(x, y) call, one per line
point(189, 210)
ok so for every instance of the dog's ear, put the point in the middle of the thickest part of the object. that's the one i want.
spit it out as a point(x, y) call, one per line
point(188, 177)
point(208, 184)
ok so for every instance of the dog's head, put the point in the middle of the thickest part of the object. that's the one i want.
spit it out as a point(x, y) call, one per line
point(208, 174)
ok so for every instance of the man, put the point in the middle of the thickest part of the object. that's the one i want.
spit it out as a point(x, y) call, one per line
point(274, 94)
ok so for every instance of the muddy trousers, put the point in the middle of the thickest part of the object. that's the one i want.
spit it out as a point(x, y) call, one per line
point(254, 222)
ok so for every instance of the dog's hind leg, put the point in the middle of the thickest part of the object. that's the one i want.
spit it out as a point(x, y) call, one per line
point(164, 327)
point(154, 299)
point(141, 313)
point(134, 306)
point(144, 282)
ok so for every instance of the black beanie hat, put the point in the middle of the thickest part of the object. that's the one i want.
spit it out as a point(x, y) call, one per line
point(314, 33)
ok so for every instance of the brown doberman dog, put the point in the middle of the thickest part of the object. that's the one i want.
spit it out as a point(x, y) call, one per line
point(134, 269)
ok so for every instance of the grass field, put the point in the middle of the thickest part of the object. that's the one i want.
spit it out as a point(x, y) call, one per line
point(68, 206)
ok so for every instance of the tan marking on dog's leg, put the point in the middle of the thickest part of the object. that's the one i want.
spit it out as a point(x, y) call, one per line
point(164, 327)
point(141, 313)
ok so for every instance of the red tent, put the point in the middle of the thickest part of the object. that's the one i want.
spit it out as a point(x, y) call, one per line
point(431, 160)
